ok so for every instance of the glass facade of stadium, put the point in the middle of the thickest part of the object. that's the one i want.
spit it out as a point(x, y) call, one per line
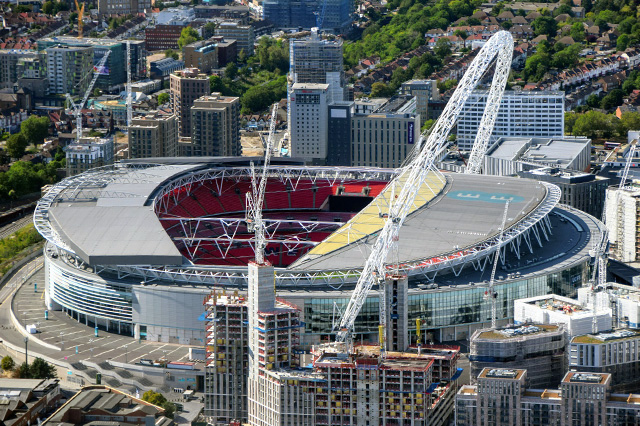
point(168, 312)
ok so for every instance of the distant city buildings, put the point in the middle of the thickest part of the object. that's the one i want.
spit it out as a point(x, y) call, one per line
point(243, 34)
point(123, 7)
point(186, 86)
point(162, 68)
point(425, 92)
point(308, 121)
point(521, 113)
point(622, 206)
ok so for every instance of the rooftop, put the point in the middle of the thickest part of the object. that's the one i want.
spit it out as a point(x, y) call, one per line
point(588, 378)
point(600, 338)
point(501, 373)
point(560, 151)
point(517, 332)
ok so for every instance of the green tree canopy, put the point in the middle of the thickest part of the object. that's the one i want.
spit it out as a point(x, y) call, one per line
point(545, 25)
point(442, 48)
point(7, 363)
point(594, 124)
point(154, 398)
point(612, 100)
point(163, 98)
point(35, 129)
point(16, 145)
point(187, 36)
point(41, 369)
point(170, 53)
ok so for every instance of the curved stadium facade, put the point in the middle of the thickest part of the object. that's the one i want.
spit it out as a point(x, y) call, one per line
point(134, 248)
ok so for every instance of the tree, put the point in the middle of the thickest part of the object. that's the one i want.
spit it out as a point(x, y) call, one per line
point(154, 398)
point(628, 121)
point(242, 56)
point(41, 369)
point(463, 35)
point(623, 42)
point(16, 145)
point(169, 409)
point(163, 98)
point(593, 124)
point(442, 48)
point(187, 36)
point(170, 53)
point(35, 129)
point(545, 25)
point(7, 363)
point(380, 90)
point(612, 100)
point(231, 70)
point(216, 85)
point(23, 371)
point(209, 28)
point(593, 101)
point(577, 32)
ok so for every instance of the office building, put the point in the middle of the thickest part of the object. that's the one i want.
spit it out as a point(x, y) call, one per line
point(339, 127)
point(308, 121)
point(425, 92)
point(186, 86)
point(616, 353)
point(583, 191)
point(201, 54)
point(243, 34)
point(88, 153)
point(521, 113)
point(109, 405)
point(123, 7)
point(500, 398)
point(117, 72)
point(511, 155)
point(622, 206)
point(553, 309)
point(337, 18)
point(227, 51)
point(314, 60)
point(539, 349)
point(67, 69)
point(154, 135)
point(162, 37)
point(163, 68)
point(215, 129)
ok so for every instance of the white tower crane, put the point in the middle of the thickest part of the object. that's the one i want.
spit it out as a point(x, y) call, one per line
point(77, 108)
point(627, 165)
point(415, 174)
point(491, 293)
point(129, 100)
point(255, 199)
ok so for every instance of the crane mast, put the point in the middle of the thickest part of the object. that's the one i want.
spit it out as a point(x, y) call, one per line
point(80, 17)
point(129, 100)
point(412, 177)
point(491, 293)
point(77, 108)
point(255, 199)
point(627, 165)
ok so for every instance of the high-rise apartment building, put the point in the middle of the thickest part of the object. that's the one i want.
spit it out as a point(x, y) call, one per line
point(337, 16)
point(215, 129)
point(117, 72)
point(425, 91)
point(314, 60)
point(243, 34)
point(186, 86)
point(153, 135)
point(201, 54)
point(9, 72)
point(622, 208)
point(521, 113)
point(308, 121)
point(68, 68)
point(537, 348)
point(616, 353)
point(500, 398)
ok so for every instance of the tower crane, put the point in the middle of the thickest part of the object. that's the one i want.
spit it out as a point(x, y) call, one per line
point(320, 15)
point(627, 165)
point(129, 100)
point(255, 199)
point(77, 108)
point(491, 293)
point(412, 176)
point(80, 17)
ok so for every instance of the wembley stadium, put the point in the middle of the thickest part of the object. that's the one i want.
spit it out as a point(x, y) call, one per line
point(134, 248)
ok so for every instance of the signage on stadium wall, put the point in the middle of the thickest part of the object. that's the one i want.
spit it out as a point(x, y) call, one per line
point(410, 133)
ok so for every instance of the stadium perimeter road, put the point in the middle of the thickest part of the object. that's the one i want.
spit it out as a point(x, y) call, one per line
point(65, 333)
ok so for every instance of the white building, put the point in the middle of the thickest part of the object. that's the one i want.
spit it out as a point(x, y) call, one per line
point(553, 309)
point(621, 207)
point(88, 153)
point(521, 113)
point(308, 121)
point(623, 300)
point(511, 155)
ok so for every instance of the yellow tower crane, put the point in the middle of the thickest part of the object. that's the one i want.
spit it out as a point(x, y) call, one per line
point(80, 16)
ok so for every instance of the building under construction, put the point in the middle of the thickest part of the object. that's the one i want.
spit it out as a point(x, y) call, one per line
point(539, 349)
point(621, 206)
point(255, 371)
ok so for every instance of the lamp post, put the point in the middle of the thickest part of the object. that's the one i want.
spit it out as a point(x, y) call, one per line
point(126, 354)
point(26, 352)
point(62, 340)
